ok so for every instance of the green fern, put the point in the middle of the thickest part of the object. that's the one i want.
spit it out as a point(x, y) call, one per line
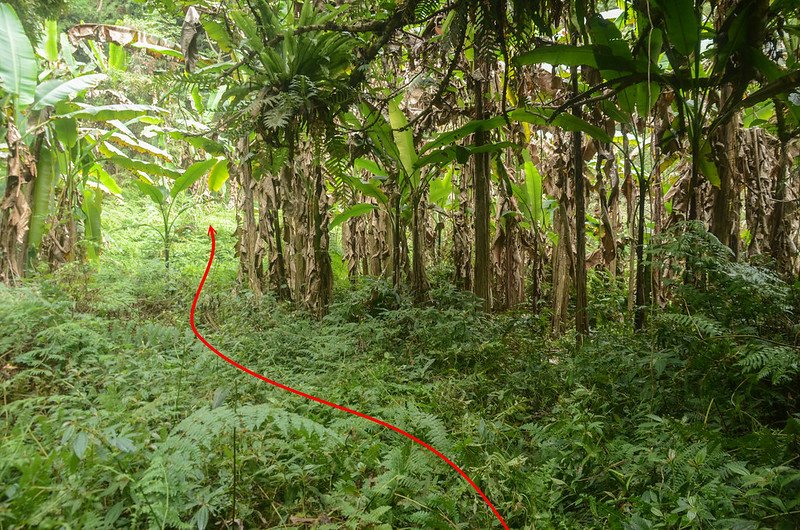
point(778, 363)
point(697, 324)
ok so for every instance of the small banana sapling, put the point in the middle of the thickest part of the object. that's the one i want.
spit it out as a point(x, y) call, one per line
point(165, 198)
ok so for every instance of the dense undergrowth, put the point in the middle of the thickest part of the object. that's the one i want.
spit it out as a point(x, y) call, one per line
point(114, 416)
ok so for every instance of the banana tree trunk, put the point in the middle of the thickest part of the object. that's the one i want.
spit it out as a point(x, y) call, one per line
point(608, 239)
point(60, 243)
point(725, 198)
point(15, 209)
point(641, 294)
point(779, 228)
point(462, 237)
point(563, 265)
point(378, 233)
point(46, 175)
point(537, 269)
point(295, 217)
point(419, 280)
point(397, 247)
point(321, 277)
point(270, 232)
point(351, 248)
point(508, 286)
point(305, 207)
point(248, 241)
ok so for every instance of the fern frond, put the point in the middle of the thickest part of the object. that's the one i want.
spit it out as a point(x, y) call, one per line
point(778, 363)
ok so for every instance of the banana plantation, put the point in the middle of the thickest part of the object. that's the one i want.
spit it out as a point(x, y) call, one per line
point(556, 243)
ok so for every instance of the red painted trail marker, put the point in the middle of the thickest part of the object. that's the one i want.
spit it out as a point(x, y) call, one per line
point(212, 233)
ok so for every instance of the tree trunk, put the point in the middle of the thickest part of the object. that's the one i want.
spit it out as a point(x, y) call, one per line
point(350, 248)
point(694, 179)
point(481, 185)
point(608, 237)
point(562, 266)
point(462, 238)
point(779, 231)
point(563, 255)
point(537, 271)
point(638, 321)
point(724, 198)
point(581, 314)
point(15, 209)
point(295, 216)
point(270, 230)
point(657, 196)
point(248, 241)
point(508, 286)
point(629, 193)
point(758, 195)
point(397, 247)
point(321, 277)
point(419, 283)
point(378, 244)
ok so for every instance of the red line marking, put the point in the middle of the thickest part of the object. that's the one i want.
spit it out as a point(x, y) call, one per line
point(212, 233)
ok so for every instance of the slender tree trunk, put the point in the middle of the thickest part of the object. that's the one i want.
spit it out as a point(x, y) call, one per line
point(536, 271)
point(481, 186)
point(397, 247)
point(581, 314)
point(563, 263)
point(608, 238)
point(350, 249)
point(379, 246)
point(779, 232)
point(462, 240)
point(419, 281)
point(657, 195)
point(638, 321)
point(631, 218)
point(508, 282)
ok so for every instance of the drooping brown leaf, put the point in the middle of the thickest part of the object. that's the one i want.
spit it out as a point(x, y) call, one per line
point(15, 208)
point(124, 36)
point(190, 33)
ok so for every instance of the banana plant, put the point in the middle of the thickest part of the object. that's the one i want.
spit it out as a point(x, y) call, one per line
point(164, 192)
point(57, 144)
point(35, 136)
point(530, 195)
point(81, 136)
point(392, 172)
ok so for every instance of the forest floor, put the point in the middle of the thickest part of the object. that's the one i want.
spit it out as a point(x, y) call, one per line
point(114, 415)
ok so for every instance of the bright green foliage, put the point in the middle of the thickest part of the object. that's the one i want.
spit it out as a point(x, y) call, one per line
point(404, 139)
point(57, 90)
point(218, 175)
point(50, 44)
point(18, 70)
point(352, 211)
